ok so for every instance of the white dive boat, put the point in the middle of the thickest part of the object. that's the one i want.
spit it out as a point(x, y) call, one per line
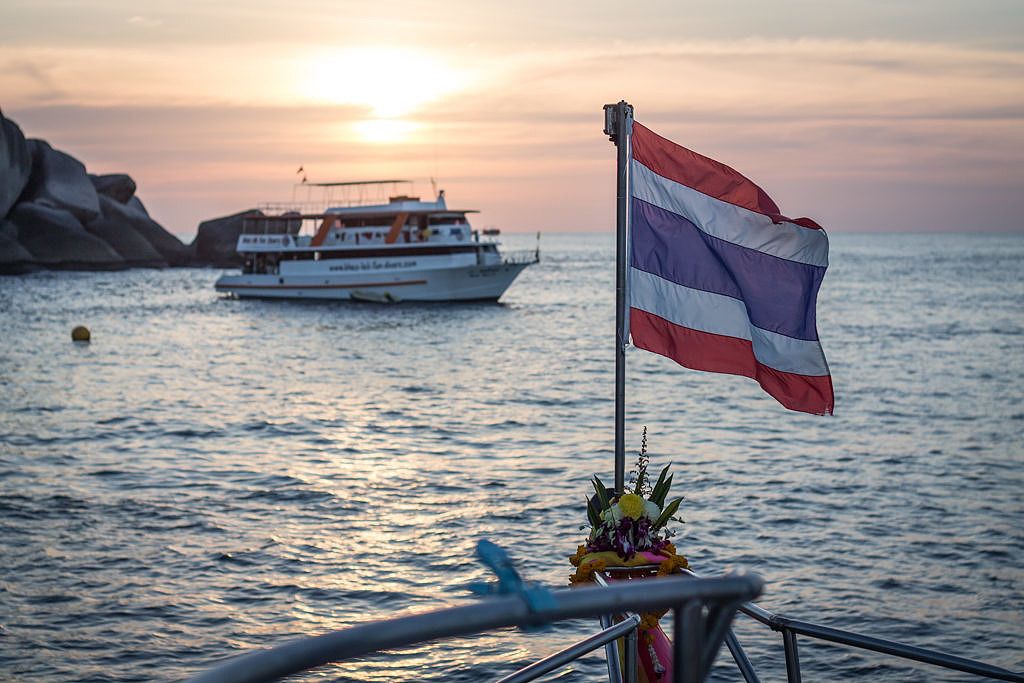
point(402, 250)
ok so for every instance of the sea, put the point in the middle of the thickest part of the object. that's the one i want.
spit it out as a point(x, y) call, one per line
point(210, 476)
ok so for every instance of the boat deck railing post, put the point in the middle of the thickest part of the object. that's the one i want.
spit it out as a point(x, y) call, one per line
point(631, 653)
point(631, 645)
point(606, 637)
point(791, 628)
point(611, 655)
point(792, 656)
point(686, 643)
point(740, 657)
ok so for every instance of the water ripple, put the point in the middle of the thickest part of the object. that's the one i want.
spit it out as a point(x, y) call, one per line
point(210, 476)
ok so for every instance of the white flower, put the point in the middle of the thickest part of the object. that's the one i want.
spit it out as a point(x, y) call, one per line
point(612, 514)
point(651, 510)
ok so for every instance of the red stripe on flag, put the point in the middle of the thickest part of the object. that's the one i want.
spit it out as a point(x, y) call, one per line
point(705, 175)
point(732, 356)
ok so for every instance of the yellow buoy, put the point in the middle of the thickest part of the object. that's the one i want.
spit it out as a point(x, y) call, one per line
point(80, 333)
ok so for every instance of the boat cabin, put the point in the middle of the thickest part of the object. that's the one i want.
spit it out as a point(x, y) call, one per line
point(404, 225)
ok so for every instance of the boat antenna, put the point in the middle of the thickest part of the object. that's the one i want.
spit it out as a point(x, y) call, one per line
point(618, 126)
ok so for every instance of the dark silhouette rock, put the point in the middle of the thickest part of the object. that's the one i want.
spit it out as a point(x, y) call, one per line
point(170, 248)
point(123, 228)
point(53, 214)
point(14, 258)
point(118, 186)
point(217, 239)
point(15, 164)
point(56, 239)
point(60, 181)
point(137, 205)
point(276, 226)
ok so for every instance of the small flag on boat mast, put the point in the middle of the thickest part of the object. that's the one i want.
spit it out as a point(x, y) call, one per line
point(717, 278)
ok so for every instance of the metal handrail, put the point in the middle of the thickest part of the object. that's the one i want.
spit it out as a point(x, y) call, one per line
point(574, 651)
point(630, 647)
point(723, 593)
point(790, 628)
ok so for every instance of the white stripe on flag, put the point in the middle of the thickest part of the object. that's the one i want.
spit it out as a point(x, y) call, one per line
point(730, 222)
point(724, 315)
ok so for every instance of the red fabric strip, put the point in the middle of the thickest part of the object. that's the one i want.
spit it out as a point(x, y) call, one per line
point(728, 355)
point(711, 177)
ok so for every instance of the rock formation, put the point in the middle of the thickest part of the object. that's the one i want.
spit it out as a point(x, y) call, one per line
point(216, 239)
point(13, 256)
point(119, 186)
point(53, 214)
point(60, 181)
point(118, 226)
point(15, 164)
point(169, 246)
point(56, 239)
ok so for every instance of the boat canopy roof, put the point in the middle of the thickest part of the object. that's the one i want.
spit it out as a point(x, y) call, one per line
point(413, 206)
point(350, 183)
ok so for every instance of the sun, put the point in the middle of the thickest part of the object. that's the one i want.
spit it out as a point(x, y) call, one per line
point(383, 131)
point(389, 82)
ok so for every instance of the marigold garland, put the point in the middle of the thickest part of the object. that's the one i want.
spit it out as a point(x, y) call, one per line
point(630, 530)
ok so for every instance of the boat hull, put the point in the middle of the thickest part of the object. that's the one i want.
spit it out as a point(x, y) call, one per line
point(468, 283)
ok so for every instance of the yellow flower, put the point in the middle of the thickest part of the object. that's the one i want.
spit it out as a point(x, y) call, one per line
point(632, 506)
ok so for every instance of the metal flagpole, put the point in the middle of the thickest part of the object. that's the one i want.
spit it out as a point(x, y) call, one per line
point(618, 125)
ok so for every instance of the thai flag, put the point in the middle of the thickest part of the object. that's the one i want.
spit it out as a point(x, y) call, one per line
point(719, 279)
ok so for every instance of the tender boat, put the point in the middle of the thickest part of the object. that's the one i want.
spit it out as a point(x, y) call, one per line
point(403, 249)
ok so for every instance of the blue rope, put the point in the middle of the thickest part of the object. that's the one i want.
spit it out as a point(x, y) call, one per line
point(537, 597)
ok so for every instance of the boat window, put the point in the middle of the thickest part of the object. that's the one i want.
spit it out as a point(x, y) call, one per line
point(447, 220)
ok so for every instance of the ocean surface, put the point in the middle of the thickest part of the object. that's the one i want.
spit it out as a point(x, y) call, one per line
point(210, 476)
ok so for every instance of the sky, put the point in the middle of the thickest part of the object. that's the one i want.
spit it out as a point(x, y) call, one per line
point(873, 116)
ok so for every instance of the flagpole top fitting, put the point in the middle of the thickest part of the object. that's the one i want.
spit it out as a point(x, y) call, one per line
point(614, 114)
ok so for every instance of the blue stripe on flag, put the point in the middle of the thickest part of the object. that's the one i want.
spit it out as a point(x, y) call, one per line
point(779, 294)
point(702, 311)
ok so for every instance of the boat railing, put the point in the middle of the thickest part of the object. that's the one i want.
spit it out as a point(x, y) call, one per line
point(279, 208)
point(702, 610)
point(521, 256)
point(791, 628)
point(318, 197)
point(627, 628)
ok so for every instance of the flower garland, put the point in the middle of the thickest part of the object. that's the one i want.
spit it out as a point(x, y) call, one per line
point(636, 521)
point(631, 530)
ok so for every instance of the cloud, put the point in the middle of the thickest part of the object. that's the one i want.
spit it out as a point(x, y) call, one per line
point(746, 77)
point(34, 77)
point(819, 123)
point(144, 22)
